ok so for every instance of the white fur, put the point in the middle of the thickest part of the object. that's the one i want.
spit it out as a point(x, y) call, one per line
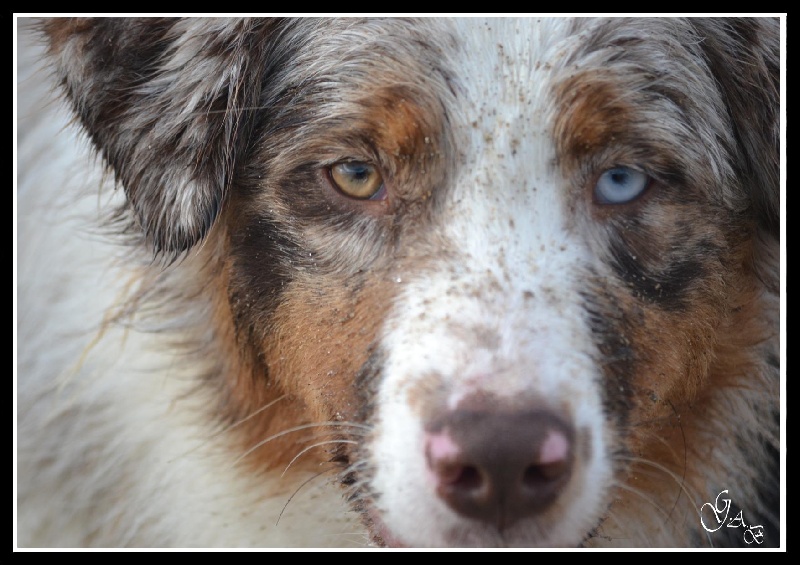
point(507, 219)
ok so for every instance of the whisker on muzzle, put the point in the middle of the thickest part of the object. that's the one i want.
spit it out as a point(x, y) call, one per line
point(341, 425)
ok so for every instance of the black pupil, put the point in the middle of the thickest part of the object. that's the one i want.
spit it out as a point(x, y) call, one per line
point(357, 171)
point(619, 177)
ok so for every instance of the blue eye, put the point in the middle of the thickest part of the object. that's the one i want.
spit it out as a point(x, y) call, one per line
point(620, 185)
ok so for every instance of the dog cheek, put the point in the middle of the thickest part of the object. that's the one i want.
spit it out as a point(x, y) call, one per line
point(322, 338)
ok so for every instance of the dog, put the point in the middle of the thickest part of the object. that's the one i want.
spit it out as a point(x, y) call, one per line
point(398, 282)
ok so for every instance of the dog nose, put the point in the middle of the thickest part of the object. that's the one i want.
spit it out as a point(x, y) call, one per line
point(499, 466)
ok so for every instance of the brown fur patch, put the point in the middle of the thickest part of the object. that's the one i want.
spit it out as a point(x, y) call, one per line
point(593, 116)
point(322, 337)
point(399, 124)
point(696, 394)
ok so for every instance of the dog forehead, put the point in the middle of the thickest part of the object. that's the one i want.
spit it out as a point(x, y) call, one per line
point(506, 74)
point(502, 61)
point(506, 184)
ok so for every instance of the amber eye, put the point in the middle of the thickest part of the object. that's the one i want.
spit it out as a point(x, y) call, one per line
point(358, 180)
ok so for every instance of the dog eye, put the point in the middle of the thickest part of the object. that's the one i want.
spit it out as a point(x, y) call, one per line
point(358, 180)
point(620, 185)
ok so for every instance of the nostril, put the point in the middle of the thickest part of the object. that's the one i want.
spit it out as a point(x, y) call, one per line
point(552, 462)
point(536, 475)
point(468, 478)
point(444, 458)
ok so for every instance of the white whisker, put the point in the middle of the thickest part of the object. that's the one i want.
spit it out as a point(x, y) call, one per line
point(297, 429)
point(312, 447)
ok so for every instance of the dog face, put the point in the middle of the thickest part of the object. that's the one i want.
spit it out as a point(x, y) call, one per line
point(513, 279)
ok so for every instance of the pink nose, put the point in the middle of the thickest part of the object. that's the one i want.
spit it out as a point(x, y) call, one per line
point(499, 466)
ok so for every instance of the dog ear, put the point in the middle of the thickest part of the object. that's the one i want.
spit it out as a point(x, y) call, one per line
point(744, 55)
point(166, 102)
